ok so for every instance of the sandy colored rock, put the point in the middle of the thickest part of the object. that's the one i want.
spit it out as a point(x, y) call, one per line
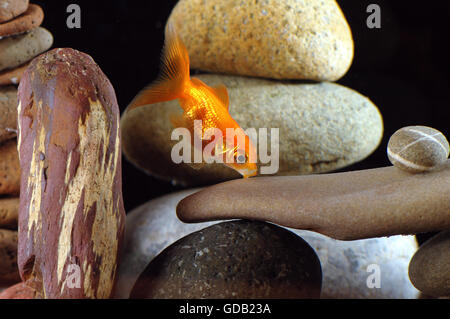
point(17, 50)
point(154, 226)
point(281, 39)
point(10, 9)
point(31, 19)
point(429, 269)
point(9, 272)
point(238, 259)
point(9, 210)
point(8, 113)
point(12, 76)
point(18, 291)
point(9, 168)
point(322, 127)
point(417, 149)
point(350, 205)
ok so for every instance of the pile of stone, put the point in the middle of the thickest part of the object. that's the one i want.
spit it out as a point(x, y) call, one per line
point(21, 39)
point(255, 48)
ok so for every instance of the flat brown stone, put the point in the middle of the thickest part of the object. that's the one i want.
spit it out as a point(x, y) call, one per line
point(12, 76)
point(18, 291)
point(8, 112)
point(9, 9)
point(9, 271)
point(350, 205)
point(9, 168)
point(9, 211)
point(31, 19)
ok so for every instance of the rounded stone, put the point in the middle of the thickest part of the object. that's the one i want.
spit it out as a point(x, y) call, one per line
point(18, 291)
point(8, 113)
point(9, 271)
point(299, 40)
point(154, 226)
point(9, 168)
point(31, 19)
point(322, 127)
point(417, 149)
point(429, 269)
point(9, 212)
point(17, 50)
point(238, 259)
point(12, 76)
point(10, 9)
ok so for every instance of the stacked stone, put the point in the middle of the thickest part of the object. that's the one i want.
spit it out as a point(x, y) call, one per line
point(254, 48)
point(21, 39)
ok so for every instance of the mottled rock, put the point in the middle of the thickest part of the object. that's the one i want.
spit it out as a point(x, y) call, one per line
point(238, 259)
point(429, 269)
point(417, 149)
point(322, 127)
point(282, 39)
point(32, 18)
point(17, 50)
point(9, 210)
point(9, 272)
point(18, 291)
point(150, 228)
point(154, 226)
point(10, 9)
point(12, 76)
point(9, 168)
point(8, 113)
point(351, 205)
point(350, 268)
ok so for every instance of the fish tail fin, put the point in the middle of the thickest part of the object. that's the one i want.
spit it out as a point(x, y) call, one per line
point(174, 73)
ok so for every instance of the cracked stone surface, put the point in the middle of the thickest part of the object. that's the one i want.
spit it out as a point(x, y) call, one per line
point(322, 127)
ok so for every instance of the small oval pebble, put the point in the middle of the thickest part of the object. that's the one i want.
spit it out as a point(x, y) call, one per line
point(417, 148)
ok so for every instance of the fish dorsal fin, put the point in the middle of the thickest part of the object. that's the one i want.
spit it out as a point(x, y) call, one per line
point(219, 91)
point(173, 75)
point(222, 93)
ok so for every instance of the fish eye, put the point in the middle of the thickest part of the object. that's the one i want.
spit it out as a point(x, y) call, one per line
point(240, 158)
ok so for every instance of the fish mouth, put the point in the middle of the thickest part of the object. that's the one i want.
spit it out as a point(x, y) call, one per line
point(248, 172)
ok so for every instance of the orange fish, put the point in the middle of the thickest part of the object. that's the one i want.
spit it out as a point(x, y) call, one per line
point(200, 102)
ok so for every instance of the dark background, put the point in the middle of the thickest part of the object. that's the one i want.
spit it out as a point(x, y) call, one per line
point(402, 67)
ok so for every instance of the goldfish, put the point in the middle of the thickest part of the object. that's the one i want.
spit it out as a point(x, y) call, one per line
point(199, 102)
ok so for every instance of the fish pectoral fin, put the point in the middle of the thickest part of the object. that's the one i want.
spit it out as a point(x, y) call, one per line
point(222, 93)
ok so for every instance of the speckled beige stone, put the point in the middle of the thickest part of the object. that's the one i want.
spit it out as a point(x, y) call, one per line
point(350, 205)
point(17, 50)
point(322, 127)
point(429, 269)
point(281, 39)
point(9, 211)
point(8, 113)
point(417, 148)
